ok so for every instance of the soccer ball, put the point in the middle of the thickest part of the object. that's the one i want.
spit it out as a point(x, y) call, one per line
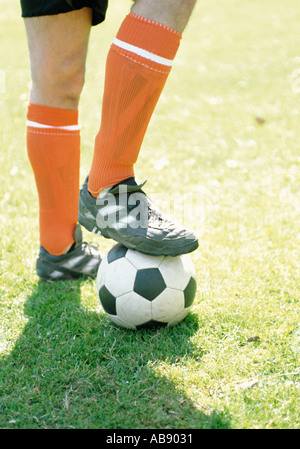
point(137, 290)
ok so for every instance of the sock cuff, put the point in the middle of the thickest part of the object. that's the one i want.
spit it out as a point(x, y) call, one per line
point(148, 35)
point(49, 116)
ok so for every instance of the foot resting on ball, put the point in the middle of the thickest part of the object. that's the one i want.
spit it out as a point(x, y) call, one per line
point(82, 259)
point(125, 214)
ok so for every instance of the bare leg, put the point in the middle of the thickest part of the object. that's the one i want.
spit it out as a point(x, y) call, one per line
point(58, 47)
point(172, 13)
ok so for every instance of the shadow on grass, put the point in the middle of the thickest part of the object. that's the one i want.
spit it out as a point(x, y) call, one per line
point(72, 368)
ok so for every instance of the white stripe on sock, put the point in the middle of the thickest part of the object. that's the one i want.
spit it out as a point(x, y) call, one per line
point(144, 53)
point(41, 125)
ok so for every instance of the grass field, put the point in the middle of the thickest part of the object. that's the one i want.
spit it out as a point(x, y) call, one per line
point(227, 128)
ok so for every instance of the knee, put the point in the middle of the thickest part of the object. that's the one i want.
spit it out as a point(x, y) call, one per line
point(58, 83)
point(172, 13)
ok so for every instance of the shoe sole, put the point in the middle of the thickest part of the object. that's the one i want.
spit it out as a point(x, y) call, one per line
point(142, 246)
point(46, 270)
point(45, 273)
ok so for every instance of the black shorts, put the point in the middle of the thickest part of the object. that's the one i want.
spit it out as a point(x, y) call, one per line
point(33, 8)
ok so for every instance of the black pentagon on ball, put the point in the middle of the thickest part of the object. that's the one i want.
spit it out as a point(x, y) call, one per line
point(116, 252)
point(149, 283)
point(152, 324)
point(108, 301)
point(189, 292)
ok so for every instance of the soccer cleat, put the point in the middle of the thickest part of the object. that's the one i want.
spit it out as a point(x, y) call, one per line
point(82, 259)
point(125, 214)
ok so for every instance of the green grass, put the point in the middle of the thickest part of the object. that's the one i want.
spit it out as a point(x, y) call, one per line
point(234, 362)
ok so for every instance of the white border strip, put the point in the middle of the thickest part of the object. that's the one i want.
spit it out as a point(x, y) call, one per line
point(41, 125)
point(144, 53)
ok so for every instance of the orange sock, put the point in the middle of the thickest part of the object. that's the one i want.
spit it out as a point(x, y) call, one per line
point(53, 145)
point(137, 68)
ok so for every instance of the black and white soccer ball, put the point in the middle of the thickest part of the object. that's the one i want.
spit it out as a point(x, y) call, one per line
point(141, 291)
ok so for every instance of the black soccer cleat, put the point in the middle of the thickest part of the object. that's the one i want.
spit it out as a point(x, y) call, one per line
point(82, 259)
point(125, 214)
